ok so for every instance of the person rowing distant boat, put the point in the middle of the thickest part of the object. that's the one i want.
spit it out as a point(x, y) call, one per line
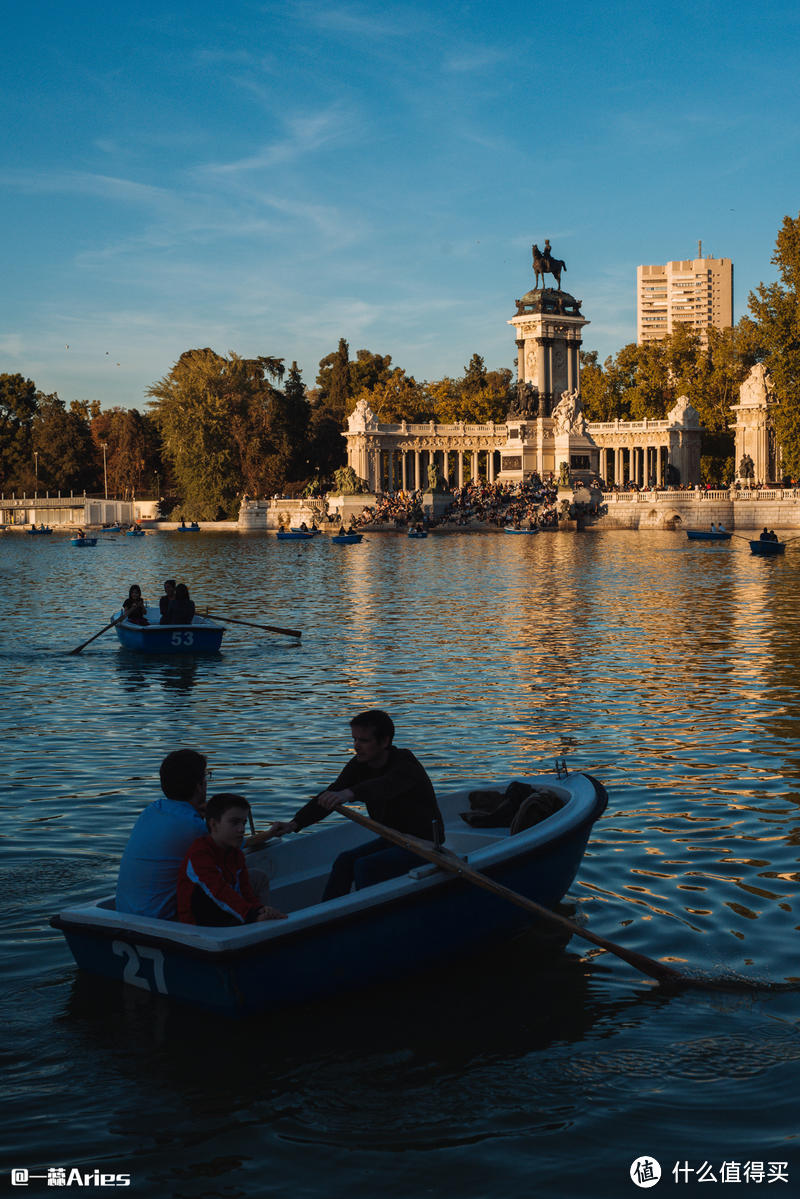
point(396, 791)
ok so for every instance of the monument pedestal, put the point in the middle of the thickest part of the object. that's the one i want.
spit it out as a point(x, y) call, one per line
point(436, 503)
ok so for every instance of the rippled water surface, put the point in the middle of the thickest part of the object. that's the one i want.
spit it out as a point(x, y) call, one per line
point(667, 669)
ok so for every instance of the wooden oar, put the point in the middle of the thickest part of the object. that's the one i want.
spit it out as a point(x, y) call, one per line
point(271, 628)
point(448, 861)
point(78, 648)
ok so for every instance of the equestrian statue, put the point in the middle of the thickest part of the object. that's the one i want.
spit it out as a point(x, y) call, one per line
point(545, 264)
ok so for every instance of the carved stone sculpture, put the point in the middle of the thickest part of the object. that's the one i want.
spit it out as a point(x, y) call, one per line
point(568, 414)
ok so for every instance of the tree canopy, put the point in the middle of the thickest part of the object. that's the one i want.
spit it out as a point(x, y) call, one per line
point(771, 334)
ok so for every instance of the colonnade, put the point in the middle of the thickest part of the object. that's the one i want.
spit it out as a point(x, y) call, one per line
point(407, 470)
point(642, 465)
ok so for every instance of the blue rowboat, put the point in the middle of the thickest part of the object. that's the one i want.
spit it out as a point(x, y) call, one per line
point(765, 549)
point(525, 531)
point(112, 529)
point(707, 535)
point(418, 533)
point(347, 538)
point(134, 533)
point(192, 528)
point(294, 535)
point(34, 532)
point(386, 931)
point(202, 636)
point(79, 541)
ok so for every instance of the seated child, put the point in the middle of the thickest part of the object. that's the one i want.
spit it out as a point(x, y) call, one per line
point(213, 884)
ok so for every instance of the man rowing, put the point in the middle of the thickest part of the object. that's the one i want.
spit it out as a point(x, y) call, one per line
point(396, 791)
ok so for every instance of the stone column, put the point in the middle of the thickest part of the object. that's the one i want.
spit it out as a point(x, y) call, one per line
point(491, 466)
point(541, 365)
point(416, 470)
point(461, 468)
point(390, 482)
point(570, 367)
point(474, 465)
point(446, 466)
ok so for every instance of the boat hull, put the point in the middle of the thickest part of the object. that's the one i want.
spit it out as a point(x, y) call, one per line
point(347, 538)
point(766, 549)
point(388, 931)
point(706, 535)
point(416, 536)
point(202, 636)
point(295, 535)
point(78, 542)
point(134, 533)
point(524, 532)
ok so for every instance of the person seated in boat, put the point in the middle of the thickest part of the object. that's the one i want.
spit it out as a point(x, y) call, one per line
point(80, 535)
point(166, 598)
point(773, 536)
point(721, 528)
point(765, 535)
point(134, 606)
point(148, 872)
point(713, 527)
point(396, 791)
point(181, 608)
point(214, 887)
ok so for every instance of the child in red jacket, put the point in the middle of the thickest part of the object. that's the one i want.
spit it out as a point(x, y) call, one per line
point(213, 885)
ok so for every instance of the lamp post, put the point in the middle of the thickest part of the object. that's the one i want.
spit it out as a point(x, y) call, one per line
point(104, 447)
point(36, 467)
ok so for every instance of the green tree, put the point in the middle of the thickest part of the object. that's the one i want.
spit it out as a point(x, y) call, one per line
point(18, 406)
point(64, 444)
point(334, 383)
point(133, 451)
point(217, 418)
point(771, 334)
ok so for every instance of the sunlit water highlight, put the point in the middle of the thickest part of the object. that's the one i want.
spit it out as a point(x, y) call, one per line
point(667, 669)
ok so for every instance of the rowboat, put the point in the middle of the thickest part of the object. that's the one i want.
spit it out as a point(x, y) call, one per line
point(707, 535)
point(386, 931)
point(43, 531)
point(765, 548)
point(112, 528)
point(134, 533)
point(347, 538)
point(192, 528)
point(294, 535)
point(83, 541)
point(418, 532)
point(508, 530)
point(202, 636)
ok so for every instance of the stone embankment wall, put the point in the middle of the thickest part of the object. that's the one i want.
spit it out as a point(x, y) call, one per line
point(742, 510)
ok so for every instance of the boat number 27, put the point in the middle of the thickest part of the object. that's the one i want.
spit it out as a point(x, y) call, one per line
point(134, 958)
point(182, 638)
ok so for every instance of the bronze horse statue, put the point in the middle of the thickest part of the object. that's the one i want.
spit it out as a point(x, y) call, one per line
point(545, 264)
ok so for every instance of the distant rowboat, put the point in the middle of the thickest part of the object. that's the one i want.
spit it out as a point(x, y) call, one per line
point(507, 530)
point(707, 535)
point(78, 541)
point(134, 533)
point(294, 535)
point(765, 549)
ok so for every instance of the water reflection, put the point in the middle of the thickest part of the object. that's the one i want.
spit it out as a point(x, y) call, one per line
point(143, 671)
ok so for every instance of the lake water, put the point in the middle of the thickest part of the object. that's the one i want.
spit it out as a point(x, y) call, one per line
point(667, 669)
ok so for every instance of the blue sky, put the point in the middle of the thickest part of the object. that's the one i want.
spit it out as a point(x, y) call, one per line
point(268, 178)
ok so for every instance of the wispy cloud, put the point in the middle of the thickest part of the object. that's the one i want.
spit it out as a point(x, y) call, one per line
point(305, 134)
point(85, 184)
point(474, 59)
point(353, 21)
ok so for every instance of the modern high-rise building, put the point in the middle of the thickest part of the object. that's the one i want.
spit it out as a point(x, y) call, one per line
point(697, 292)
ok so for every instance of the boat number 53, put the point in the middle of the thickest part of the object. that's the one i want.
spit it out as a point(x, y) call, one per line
point(133, 966)
point(183, 638)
